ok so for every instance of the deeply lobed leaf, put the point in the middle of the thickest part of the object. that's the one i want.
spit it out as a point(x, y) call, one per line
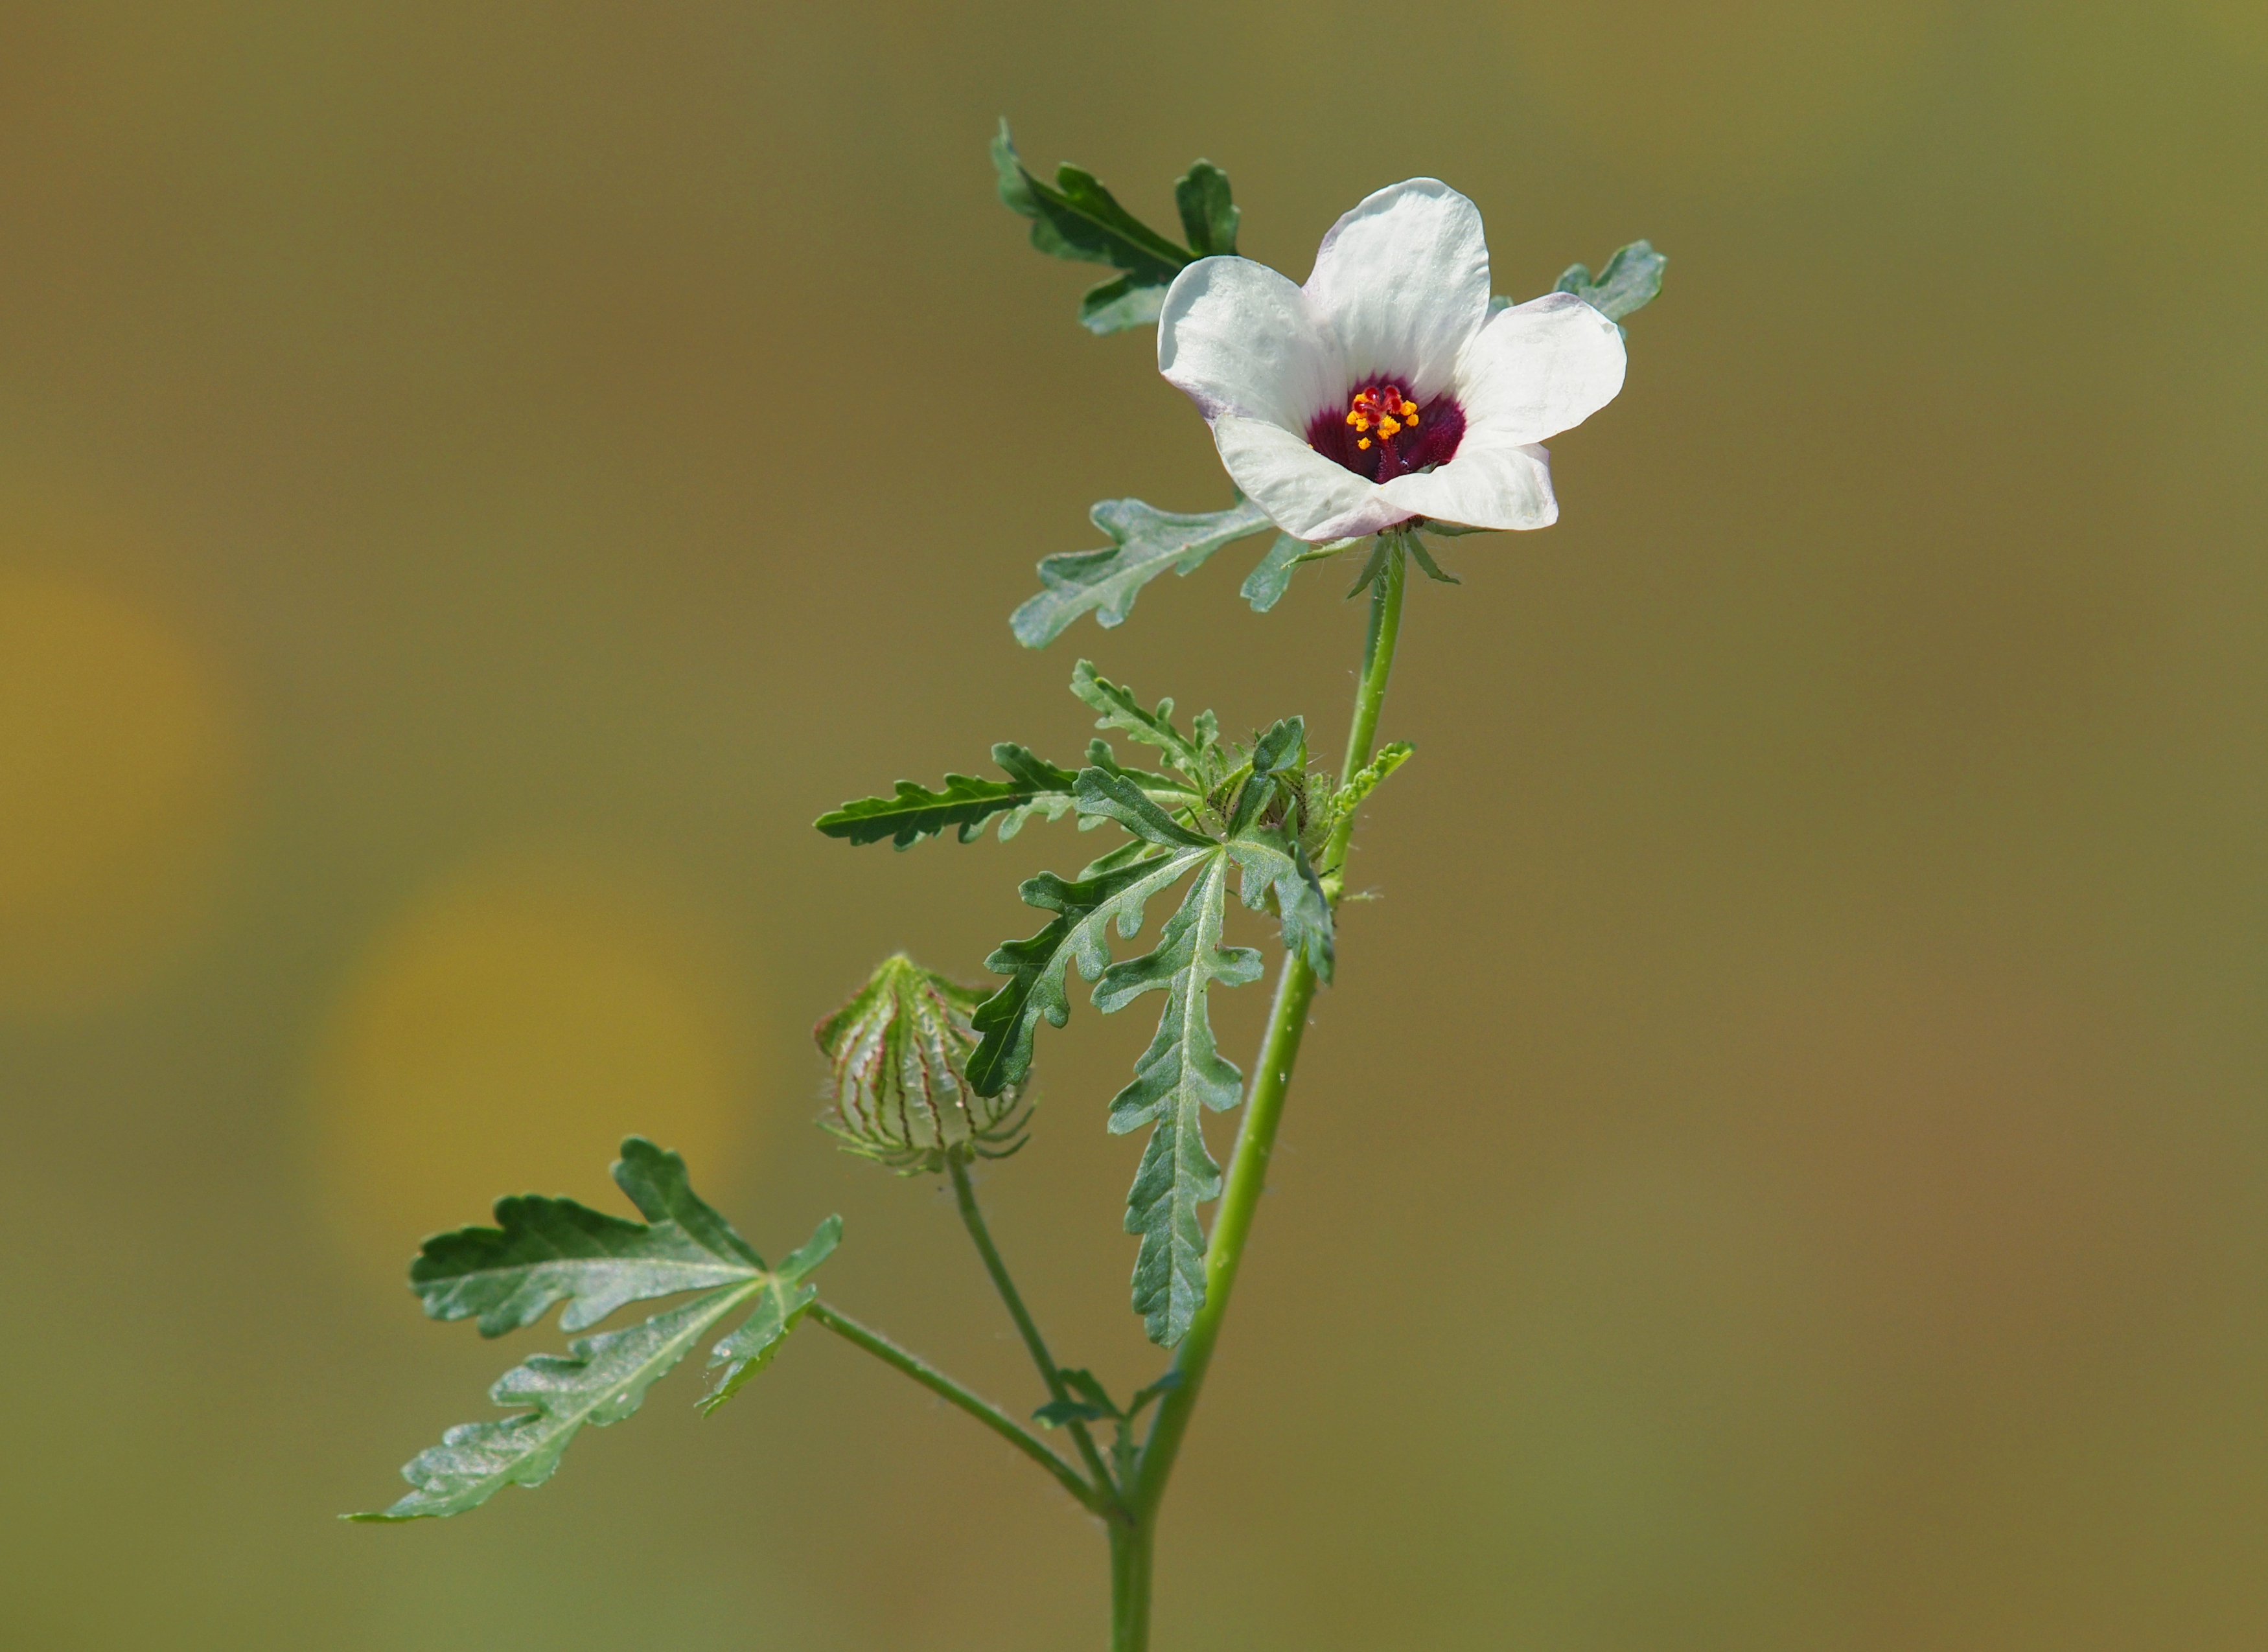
point(1180, 1074)
point(1631, 280)
point(1077, 218)
point(913, 812)
point(1124, 713)
point(1145, 543)
point(544, 1251)
point(1079, 936)
point(547, 1250)
point(603, 1379)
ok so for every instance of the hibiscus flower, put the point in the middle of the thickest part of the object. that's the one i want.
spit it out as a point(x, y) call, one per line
point(1384, 390)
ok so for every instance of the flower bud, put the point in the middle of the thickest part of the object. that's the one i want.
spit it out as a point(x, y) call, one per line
point(898, 1086)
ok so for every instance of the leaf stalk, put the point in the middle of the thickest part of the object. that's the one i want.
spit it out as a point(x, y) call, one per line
point(983, 1410)
point(972, 1217)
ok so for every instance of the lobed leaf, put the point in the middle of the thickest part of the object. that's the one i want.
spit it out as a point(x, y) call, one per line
point(1209, 213)
point(1079, 935)
point(1122, 712)
point(1116, 797)
point(1180, 1074)
point(1272, 861)
point(601, 1380)
point(1265, 585)
point(547, 1250)
point(1145, 543)
point(1077, 218)
point(913, 812)
point(544, 1251)
point(780, 1305)
point(1631, 280)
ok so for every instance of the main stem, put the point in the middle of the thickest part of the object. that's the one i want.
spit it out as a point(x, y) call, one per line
point(1255, 1141)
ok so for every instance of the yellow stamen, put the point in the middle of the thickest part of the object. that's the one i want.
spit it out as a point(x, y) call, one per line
point(1364, 443)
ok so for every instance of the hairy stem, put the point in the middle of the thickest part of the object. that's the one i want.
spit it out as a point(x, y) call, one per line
point(983, 1410)
point(1263, 1109)
point(972, 1217)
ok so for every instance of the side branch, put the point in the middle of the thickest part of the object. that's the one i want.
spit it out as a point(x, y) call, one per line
point(972, 1217)
point(984, 1411)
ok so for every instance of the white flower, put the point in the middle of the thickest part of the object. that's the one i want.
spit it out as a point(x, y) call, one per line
point(1383, 389)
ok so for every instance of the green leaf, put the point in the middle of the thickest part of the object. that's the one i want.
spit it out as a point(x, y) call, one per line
point(1120, 303)
point(1209, 212)
point(603, 1379)
point(913, 812)
point(785, 1297)
point(1145, 543)
point(1055, 1413)
point(544, 1251)
point(547, 1250)
point(1158, 1390)
point(1079, 933)
point(1122, 712)
point(1265, 585)
point(1080, 220)
point(1630, 282)
point(1117, 797)
point(1178, 1076)
point(1271, 860)
point(1084, 1382)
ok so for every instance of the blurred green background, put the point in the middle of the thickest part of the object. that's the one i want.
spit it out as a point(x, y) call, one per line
point(1783, 1167)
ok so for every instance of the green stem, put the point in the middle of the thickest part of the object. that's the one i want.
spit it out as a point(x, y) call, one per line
point(1130, 1548)
point(972, 1218)
point(983, 1410)
point(1279, 1052)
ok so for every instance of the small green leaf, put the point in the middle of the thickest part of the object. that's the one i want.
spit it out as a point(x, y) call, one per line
point(1265, 585)
point(913, 812)
point(1084, 1382)
point(785, 1297)
point(601, 1380)
point(1630, 282)
point(1180, 1074)
point(1055, 1413)
point(1209, 212)
point(1122, 712)
point(1079, 933)
point(544, 1251)
point(1145, 543)
point(1158, 1390)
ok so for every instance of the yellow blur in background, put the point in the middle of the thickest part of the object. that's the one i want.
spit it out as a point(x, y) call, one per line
point(1782, 1166)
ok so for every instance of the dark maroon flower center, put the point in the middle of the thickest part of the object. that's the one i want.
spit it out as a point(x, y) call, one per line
point(1382, 433)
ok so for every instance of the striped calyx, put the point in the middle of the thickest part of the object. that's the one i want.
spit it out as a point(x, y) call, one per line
point(898, 1089)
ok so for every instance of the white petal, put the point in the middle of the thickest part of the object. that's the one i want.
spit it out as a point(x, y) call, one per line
point(1487, 485)
point(1237, 338)
point(1537, 369)
point(1303, 493)
point(1403, 281)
